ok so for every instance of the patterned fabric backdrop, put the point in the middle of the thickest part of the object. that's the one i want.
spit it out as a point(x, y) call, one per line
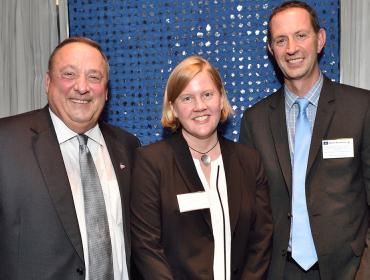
point(144, 41)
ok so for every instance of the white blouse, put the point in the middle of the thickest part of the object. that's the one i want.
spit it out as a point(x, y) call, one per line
point(220, 219)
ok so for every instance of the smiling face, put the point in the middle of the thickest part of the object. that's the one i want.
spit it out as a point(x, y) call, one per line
point(76, 85)
point(198, 107)
point(295, 45)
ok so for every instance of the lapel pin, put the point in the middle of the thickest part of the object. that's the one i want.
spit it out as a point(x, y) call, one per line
point(122, 166)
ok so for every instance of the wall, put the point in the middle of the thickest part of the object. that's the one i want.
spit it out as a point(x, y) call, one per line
point(144, 41)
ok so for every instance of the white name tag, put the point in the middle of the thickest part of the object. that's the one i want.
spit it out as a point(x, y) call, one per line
point(337, 148)
point(193, 201)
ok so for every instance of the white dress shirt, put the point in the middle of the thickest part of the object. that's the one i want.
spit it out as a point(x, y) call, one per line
point(217, 217)
point(69, 147)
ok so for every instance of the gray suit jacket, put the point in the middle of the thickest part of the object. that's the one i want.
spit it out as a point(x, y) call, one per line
point(39, 232)
point(337, 190)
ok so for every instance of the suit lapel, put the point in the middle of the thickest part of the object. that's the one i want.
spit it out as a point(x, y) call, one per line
point(187, 169)
point(49, 157)
point(233, 180)
point(280, 136)
point(324, 115)
point(122, 168)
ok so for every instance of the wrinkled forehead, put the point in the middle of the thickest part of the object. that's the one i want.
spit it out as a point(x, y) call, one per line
point(80, 55)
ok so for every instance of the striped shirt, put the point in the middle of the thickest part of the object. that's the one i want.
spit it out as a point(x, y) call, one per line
point(291, 113)
point(292, 110)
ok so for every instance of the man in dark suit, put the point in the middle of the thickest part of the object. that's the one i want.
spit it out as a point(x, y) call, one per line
point(317, 157)
point(46, 190)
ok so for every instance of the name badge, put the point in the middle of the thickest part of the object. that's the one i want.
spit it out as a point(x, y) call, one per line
point(193, 201)
point(337, 148)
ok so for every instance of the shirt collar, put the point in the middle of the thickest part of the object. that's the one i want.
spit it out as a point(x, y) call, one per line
point(312, 95)
point(64, 133)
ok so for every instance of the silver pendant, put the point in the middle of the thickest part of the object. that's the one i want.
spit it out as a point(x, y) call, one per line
point(206, 159)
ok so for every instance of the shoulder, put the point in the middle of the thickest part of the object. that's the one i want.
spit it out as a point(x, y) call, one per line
point(157, 157)
point(261, 107)
point(237, 156)
point(21, 118)
point(24, 123)
point(344, 91)
point(350, 102)
point(157, 150)
point(345, 87)
point(242, 151)
point(120, 134)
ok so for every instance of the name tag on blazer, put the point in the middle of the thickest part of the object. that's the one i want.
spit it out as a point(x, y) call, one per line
point(337, 148)
point(193, 201)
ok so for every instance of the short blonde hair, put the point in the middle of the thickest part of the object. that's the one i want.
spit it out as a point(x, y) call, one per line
point(180, 77)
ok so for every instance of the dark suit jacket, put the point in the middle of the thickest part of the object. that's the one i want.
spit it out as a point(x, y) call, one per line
point(337, 190)
point(168, 244)
point(39, 232)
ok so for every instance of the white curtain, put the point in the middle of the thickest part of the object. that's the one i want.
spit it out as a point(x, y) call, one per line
point(28, 34)
point(355, 43)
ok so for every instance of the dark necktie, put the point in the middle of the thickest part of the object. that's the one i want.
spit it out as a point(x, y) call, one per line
point(303, 248)
point(97, 228)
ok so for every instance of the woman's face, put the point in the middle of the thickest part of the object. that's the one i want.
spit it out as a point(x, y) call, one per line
point(198, 107)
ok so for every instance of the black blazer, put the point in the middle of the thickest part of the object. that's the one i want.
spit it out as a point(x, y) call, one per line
point(168, 244)
point(39, 232)
point(337, 190)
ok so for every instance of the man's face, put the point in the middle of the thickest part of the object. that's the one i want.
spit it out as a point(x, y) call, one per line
point(295, 45)
point(76, 86)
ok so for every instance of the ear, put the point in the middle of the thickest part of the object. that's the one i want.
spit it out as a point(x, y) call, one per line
point(173, 110)
point(223, 101)
point(321, 39)
point(47, 79)
point(270, 49)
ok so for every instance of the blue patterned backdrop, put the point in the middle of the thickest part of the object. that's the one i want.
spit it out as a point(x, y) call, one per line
point(144, 41)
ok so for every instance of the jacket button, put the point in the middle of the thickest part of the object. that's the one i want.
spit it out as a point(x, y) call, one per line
point(235, 270)
point(80, 270)
point(283, 252)
point(289, 215)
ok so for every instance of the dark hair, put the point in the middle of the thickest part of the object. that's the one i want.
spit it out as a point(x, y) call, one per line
point(83, 40)
point(294, 4)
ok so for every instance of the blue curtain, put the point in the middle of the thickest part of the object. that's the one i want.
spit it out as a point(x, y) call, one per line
point(144, 41)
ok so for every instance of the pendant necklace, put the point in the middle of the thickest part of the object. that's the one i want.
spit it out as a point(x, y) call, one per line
point(205, 158)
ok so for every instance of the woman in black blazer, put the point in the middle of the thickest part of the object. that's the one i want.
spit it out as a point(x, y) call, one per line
point(199, 203)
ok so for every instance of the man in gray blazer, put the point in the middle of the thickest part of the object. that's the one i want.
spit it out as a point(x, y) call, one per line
point(45, 187)
point(317, 157)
